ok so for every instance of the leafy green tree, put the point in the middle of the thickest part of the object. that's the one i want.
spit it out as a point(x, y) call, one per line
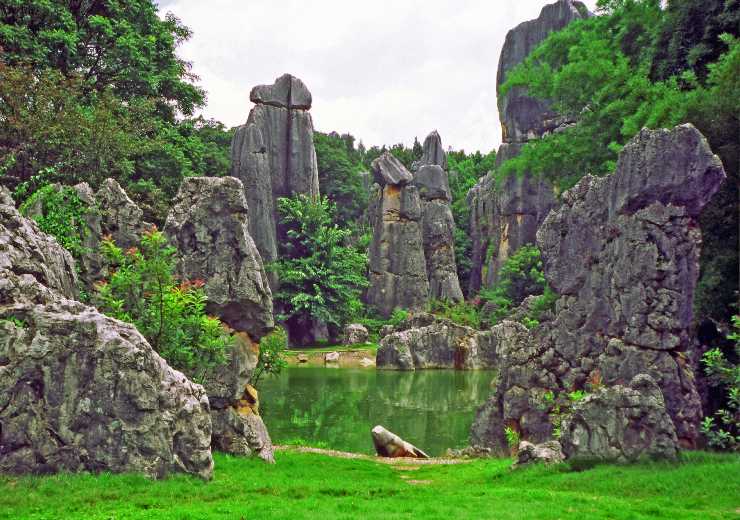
point(340, 176)
point(141, 290)
point(49, 133)
point(520, 276)
point(722, 429)
point(113, 44)
point(321, 277)
point(465, 171)
point(271, 360)
point(690, 36)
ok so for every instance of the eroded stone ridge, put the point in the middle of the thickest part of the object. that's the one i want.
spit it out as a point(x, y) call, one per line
point(208, 224)
point(425, 342)
point(24, 249)
point(622, 254)
point(524, 117)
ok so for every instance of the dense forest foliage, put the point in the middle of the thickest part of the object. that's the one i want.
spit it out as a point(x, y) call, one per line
point(90, 90)
point(640, 65)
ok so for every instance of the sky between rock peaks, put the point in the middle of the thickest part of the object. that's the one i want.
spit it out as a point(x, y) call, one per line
point(383, 70)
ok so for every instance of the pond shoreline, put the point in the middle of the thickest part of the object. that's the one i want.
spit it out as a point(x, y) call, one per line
point(349, 357)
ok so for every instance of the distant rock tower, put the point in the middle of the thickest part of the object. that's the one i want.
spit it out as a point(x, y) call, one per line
point(437, 224)
point(505, 217)
point(273, 155)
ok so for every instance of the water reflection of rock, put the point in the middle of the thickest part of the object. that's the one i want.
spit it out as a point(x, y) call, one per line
point(431, 409)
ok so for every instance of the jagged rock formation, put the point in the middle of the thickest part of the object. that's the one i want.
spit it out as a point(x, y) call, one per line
point(239, 429)
point(437, 224)
point(398, 277)
point(80, 391)
point(620, 424)
point(550, 452)
point(274, 156)
point(354, 334)
point(425, 341)
point(208, 224)
point(505, 217)
point(111, 213)
point(622, 254)
point(433, 153)
point(25, 250)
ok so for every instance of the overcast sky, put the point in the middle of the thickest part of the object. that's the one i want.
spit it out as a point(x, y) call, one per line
point(383, 70)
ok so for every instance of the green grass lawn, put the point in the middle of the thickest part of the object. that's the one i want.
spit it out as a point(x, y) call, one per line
point(304, 485)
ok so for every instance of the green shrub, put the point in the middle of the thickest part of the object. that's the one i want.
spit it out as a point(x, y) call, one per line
point(723, 430)
point(141, 290)
point(62, 216)
point(462, 313)
point(521, 275)
point(272, 355)
point(512, 438)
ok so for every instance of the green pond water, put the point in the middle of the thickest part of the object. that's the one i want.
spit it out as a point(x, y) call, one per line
point(337, 407)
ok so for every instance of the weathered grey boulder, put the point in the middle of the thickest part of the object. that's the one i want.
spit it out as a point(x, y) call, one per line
point(240, 431)
point(388, 444)
point(355, 334)
point(524, 117)
point(620, 424)
point(397, 272)
point(550, 452)
point(331, 357)
point(274, 156)
point(433, 152)
point(389, 170)
point(226, 384)
point(120, 217)
point(208, 225)
point(432, 182)
point(24, 249)
point(83, 392)
point(444, 344)
point(622, 256)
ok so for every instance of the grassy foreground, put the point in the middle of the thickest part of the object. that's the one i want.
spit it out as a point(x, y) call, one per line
point(305, 485)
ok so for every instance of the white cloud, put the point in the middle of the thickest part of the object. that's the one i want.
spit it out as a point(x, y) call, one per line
point(384, 71)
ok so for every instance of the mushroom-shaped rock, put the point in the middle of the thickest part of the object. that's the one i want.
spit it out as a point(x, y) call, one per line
point(389, 170)
point(388, 444)
point(287, 92)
